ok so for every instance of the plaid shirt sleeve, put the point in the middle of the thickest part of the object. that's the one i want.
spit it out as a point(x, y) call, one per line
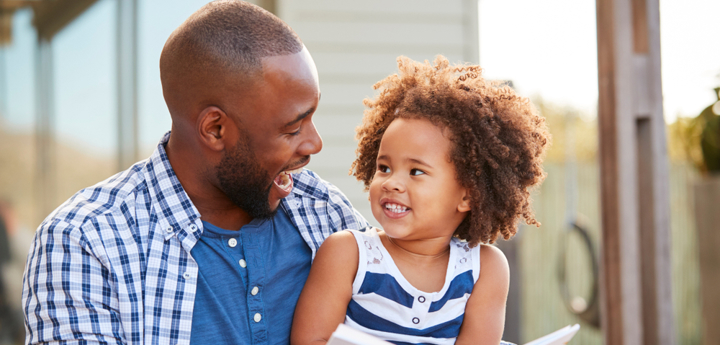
point(68, 291)
point(319, 209)
point(344, 215)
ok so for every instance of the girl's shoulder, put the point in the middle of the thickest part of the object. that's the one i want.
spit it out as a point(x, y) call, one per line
point(350, 235)
point(343, 238)
point(350, 240)
point(494, 262)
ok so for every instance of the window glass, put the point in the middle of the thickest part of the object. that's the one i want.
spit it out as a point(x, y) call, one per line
point(153, 115)
point(85, 100)
point(17, 159)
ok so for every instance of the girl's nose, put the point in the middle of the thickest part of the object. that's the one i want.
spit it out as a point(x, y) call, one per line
point(393, 184)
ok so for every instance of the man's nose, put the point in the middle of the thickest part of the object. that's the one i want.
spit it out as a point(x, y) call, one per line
point(312, 143)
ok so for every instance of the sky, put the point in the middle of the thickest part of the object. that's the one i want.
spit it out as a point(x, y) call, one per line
point(549, 48)
point(546, 47)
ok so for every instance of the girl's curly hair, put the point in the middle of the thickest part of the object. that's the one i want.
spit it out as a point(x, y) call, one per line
point(498, 139)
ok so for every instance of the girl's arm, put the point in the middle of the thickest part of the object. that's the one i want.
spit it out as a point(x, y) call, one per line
point(327, 292)
point(485, 311)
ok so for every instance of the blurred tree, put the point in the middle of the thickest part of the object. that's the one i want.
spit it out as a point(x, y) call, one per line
point(558, 117)
point(697, 139)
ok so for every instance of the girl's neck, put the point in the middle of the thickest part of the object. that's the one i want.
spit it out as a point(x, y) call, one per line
point(423, 263)
point(429, 253)
point(426, 250)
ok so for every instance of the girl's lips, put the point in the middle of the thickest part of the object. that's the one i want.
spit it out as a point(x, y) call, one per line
point(391, 212)
point(385, 201)
point(395, 215)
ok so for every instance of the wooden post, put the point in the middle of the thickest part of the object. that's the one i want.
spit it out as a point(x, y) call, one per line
point(635, 289)
point(707, 218)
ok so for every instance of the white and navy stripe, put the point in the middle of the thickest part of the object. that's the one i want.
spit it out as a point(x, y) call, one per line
point(386, 305)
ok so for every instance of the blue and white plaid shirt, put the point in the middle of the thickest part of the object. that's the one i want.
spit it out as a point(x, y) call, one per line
point(112, 265)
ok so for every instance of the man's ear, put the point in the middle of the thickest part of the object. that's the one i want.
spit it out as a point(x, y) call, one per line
point(212, 126)
point(464, 205)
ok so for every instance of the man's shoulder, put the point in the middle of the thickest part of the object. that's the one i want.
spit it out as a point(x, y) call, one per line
point(309, 184)
point(115, 197)
point(313, 195)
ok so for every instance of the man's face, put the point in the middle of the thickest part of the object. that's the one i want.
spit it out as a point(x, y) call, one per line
point(277, 134)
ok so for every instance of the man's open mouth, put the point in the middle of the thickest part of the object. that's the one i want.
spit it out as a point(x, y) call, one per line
point(284, 179)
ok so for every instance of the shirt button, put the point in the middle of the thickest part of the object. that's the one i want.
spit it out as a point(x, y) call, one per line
point(415, 320)
point(186, 275)
point(232, 242)
point(169, 229)
point(254, 291)
point(257, 317)
point(421, 299)
point(192, 228)
point(243, 263)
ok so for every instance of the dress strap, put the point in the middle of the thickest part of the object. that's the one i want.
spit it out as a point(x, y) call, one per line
point(369, 254)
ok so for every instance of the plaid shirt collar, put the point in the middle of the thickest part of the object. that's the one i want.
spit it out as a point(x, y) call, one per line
point(176, 211)
point(174, 208)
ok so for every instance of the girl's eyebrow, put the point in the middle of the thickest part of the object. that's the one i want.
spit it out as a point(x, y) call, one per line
point(418, 161)
point(413, 160)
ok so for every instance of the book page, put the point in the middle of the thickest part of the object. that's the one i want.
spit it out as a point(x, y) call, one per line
point(345, 335)
point(559, 337)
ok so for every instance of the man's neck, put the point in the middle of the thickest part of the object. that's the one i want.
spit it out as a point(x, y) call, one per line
point(212, 204)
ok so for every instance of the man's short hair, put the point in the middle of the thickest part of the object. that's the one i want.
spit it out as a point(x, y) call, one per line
point(227, 35)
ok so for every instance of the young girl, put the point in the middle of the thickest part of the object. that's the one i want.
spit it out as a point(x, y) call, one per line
point(448, 158)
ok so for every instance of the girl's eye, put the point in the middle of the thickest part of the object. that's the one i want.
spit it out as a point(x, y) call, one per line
point(383, 168)
point(416, 172)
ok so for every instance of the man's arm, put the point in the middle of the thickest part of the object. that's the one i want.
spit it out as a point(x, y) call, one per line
point(68, 296)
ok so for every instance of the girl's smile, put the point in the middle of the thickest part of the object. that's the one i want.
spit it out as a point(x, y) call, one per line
point(394, 209)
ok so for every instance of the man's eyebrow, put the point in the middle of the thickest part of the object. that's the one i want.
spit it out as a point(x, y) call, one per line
point(300, 118)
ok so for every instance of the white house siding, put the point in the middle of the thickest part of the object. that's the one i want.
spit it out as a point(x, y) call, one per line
point(355, 44)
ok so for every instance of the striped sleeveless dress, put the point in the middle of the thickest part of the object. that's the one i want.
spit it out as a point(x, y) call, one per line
point(387, 306)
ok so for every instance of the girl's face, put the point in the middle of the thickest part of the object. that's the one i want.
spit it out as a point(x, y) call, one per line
point(414, 194)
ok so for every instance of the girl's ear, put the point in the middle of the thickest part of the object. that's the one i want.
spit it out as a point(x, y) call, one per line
point(464, 205)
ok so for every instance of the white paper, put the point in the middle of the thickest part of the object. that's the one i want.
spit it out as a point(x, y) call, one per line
point(345, 335)
point(559, 337)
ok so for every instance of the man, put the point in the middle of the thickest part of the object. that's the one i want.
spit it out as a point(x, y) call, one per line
point(209, 241)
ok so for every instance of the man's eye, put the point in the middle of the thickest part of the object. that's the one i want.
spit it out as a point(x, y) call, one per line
point(416, 172)
point(383, 168)
point(295, 132)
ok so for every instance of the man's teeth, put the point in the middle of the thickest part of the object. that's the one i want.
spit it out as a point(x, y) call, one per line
point(284, 181)
point(395, 208)
point(296, 171)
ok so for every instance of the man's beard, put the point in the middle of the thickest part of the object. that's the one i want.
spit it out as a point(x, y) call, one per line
point(245, 182)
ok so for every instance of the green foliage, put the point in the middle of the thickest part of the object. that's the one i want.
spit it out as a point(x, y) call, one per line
point(683, 141)
point(563, 120)
point(697, 139)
